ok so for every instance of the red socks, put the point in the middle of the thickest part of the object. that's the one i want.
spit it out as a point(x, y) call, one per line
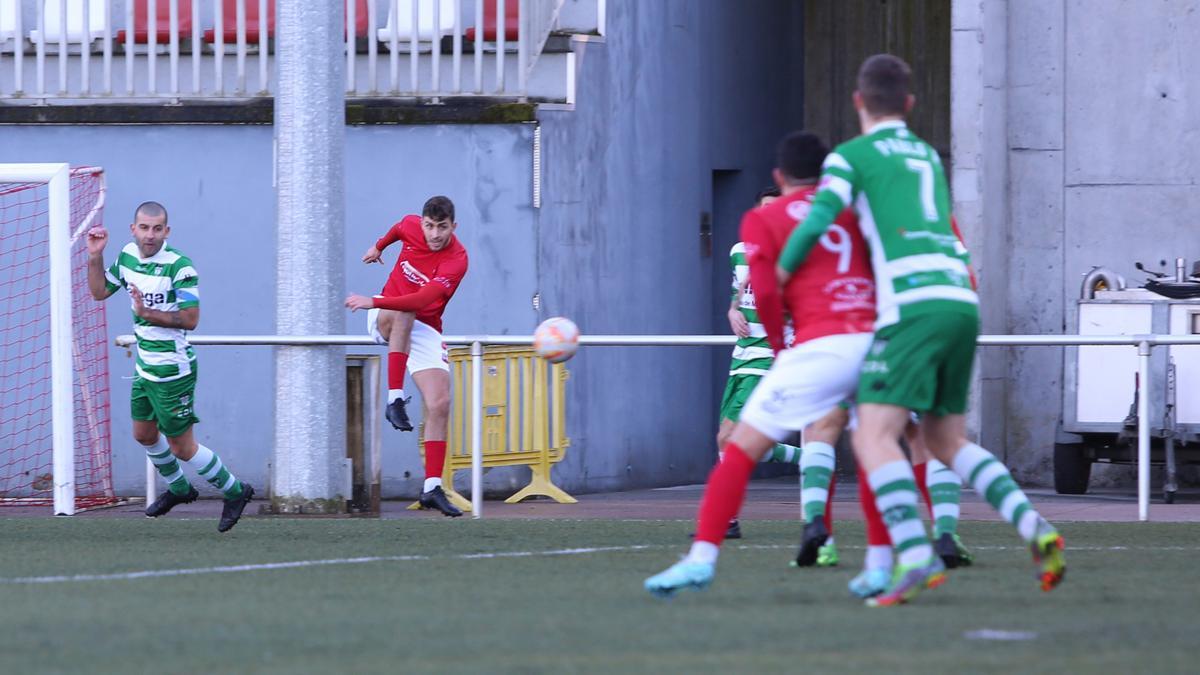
point(919, 470)
point(435, 458)
point(724, 494)
point(829, 506)
point(397, 362)
point(877, 532)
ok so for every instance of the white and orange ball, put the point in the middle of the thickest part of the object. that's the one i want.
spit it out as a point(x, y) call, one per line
point(556, 339)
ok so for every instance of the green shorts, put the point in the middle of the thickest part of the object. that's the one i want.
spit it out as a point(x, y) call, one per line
point(737, 392)
point(171, 405)
point(922, 363)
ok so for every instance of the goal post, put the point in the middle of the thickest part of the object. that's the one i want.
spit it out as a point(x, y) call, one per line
point(54, 401)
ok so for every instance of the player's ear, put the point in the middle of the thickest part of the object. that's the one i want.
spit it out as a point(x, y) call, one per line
point(909, 102)
point(777, 175)
point(858, 100)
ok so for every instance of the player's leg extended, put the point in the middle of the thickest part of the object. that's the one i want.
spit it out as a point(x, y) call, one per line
point(816, 474)
point(723, 497)
point(434, 385)
point(941, 488)
point(396, 328)
point(877, 448)
point(946, 437)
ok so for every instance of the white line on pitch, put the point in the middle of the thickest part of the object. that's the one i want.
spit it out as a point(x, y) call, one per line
point(225, 569)
point(295, 564)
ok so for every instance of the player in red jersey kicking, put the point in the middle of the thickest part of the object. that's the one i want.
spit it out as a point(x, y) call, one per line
point(407, 317)
point(832, 298)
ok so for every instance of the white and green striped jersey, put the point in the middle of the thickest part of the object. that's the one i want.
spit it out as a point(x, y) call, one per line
point(752, 354)
point(168, 283)
point(896, 183)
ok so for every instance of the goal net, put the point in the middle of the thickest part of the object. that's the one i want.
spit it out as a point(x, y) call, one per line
point(55, 446)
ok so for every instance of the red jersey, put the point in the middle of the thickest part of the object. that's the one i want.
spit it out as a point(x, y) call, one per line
point(831, 293)
point(417, 266)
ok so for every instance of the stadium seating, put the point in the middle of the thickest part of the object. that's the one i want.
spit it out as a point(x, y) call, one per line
point(97, 21)
point(512, 21)
point(253, 21)
point(400, 21)
point(162, 22)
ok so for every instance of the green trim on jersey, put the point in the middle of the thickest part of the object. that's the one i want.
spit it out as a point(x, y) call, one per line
point(168, 283)
point(896, 183)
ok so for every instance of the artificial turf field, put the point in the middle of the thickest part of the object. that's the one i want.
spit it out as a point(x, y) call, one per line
point(1129, 602)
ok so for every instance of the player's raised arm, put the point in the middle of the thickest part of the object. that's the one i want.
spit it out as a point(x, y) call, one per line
point(101, 282)
point(836, 193)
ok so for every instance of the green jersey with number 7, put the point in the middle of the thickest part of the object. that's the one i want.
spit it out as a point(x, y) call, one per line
point(896, 184)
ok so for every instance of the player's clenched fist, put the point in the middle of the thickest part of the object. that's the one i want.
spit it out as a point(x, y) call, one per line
point(372, 256)
point(357, 302)
point(97, 237)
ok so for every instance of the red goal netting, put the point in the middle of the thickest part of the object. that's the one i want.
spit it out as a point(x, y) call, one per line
point(26, 413)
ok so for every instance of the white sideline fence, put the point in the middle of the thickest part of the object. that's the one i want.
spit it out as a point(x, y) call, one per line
point(75, 49)
point(478, 344)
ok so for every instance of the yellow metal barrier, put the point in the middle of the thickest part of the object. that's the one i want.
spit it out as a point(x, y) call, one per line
point(524, 419)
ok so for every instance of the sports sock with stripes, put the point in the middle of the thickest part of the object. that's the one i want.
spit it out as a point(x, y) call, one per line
point(783, 454)
point(992, 481)
point(168, 467)
point(816, 473)
point(944, 488)
point(896, 498)
point(209, 466)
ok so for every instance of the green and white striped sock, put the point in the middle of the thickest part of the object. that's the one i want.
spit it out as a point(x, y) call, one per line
point(993, 482)
point(816, 470)
point(944, 489)
point(783, 453)
point(895, 490)
point(209, 466)
point(168, 467)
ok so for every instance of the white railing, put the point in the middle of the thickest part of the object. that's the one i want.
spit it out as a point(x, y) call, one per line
point(171, 50)
point(478, 343)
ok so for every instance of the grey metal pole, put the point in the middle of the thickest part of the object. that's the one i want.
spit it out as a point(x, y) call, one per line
point(476, 430)
point(1143, 430)
point(310, 399)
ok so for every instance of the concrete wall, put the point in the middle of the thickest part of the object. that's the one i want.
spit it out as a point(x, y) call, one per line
point(216, 183)
point(676, 91)
point(1088, 156)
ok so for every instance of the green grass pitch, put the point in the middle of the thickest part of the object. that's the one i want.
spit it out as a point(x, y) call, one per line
point(1129, 602)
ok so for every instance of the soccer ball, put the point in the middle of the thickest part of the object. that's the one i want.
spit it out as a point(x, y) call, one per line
point(556, 339)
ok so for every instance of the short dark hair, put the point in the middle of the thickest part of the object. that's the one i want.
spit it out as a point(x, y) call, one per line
point(884, 82)
point(800, 155)
point(151, 209)
point(771, 191)
point(438, 208)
